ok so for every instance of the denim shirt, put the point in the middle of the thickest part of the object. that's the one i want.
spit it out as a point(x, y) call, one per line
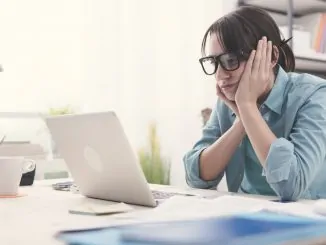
point(295, 111)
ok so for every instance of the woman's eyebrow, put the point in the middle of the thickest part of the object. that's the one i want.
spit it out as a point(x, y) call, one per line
point(215, 53)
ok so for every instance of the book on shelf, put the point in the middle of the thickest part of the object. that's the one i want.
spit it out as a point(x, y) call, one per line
point(315, 25)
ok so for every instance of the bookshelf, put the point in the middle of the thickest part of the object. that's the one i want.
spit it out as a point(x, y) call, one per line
point(294, 18)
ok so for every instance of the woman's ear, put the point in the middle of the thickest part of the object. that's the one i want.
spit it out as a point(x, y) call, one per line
point(275, 56)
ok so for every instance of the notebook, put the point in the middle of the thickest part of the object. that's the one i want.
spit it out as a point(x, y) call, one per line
point(100, 209)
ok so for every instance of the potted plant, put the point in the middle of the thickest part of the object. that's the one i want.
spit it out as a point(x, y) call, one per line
point(156, 168)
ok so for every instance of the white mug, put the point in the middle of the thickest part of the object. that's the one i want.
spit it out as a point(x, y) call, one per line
point(11, 171)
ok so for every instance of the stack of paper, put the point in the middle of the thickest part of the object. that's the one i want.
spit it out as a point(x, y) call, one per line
point(181, 208)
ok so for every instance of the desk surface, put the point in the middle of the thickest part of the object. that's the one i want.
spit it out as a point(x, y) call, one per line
point(36, 217)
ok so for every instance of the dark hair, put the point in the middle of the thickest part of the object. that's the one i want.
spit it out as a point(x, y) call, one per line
point(243, 28)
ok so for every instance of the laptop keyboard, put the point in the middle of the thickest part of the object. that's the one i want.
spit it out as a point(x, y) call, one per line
point(70, 186)
point(165, 194)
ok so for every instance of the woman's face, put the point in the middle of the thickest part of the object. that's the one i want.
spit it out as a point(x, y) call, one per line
point(227, 81)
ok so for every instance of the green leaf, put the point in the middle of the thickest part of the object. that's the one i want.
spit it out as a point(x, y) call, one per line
point(155, 167)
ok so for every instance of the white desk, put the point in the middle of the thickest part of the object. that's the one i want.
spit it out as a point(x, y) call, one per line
point(38, 216)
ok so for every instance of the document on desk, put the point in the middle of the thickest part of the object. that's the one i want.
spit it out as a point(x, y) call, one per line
point(180, 208)
point(193, 220)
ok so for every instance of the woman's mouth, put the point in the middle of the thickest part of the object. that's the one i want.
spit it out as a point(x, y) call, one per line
point(228, 86)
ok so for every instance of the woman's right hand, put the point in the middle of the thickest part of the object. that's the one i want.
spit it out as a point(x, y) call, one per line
point(231, 104)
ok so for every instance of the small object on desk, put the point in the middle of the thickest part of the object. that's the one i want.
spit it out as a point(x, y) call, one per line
point(74, 188)
point(157, 194)
point(62, 186)
point(66, 186)
point(100, 209)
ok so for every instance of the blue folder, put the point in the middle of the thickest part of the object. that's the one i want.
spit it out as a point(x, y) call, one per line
point(259, 228)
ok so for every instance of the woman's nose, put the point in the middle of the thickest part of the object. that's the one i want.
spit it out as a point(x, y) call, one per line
point(221, 74)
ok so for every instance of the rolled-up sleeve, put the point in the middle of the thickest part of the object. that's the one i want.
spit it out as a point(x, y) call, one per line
point(211, 132)
point(293, 163)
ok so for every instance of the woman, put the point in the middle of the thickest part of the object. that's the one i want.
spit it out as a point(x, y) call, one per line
point(267, 131)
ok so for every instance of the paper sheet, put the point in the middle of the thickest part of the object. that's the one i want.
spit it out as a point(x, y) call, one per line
point(183, 207)
point(180, 208)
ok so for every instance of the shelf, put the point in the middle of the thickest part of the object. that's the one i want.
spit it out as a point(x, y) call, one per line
point(305, 63)
point(301, 7)
point(307, 59)
point(280, 19)
point(278, 9)
point(21, 115)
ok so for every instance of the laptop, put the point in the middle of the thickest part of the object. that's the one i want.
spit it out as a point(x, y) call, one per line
point(100, 158)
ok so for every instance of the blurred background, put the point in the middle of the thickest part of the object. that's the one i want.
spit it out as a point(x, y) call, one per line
point(136, 57)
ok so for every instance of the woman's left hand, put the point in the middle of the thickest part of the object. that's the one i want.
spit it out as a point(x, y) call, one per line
point(256, 76)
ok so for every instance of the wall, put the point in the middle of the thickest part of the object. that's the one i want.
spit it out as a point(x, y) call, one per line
point(139, 58)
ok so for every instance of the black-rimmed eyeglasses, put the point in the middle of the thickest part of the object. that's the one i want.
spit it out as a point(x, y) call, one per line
point(228, 61)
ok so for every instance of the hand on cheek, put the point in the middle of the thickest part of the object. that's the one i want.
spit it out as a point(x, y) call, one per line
point(256, 76)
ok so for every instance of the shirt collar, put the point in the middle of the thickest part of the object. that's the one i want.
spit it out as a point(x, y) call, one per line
point(275, 99)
